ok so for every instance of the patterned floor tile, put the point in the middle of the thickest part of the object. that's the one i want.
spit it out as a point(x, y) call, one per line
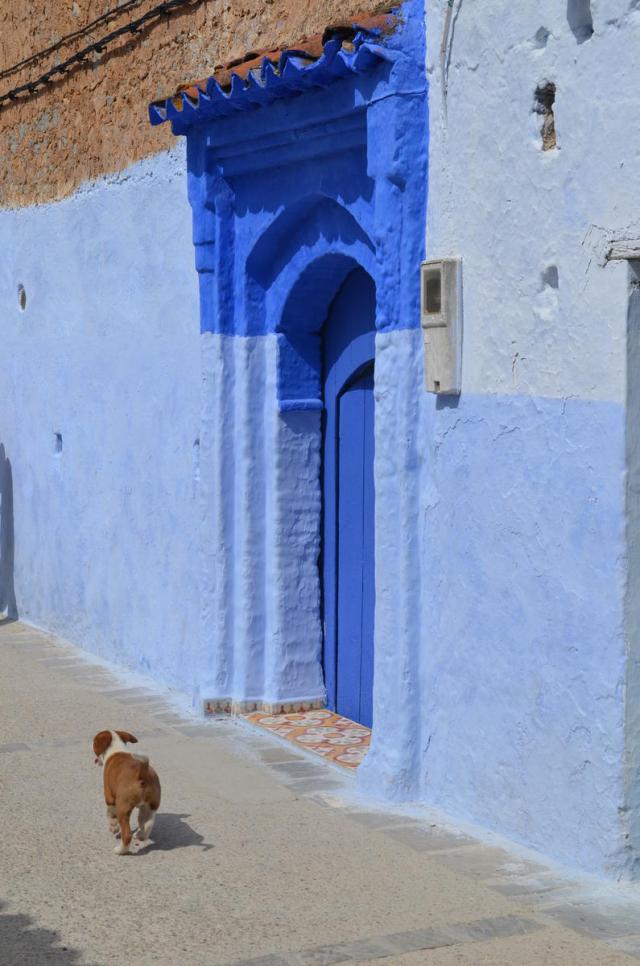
point(323, 732)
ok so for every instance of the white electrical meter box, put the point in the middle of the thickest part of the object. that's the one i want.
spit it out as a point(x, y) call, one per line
point(441, 321)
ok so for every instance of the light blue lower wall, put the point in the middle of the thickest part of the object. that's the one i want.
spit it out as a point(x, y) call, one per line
point(106, 353)
point(500, 612)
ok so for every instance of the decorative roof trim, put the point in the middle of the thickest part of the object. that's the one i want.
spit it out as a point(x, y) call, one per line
point(262, 78)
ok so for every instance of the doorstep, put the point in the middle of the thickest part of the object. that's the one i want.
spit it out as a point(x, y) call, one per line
point(321, 732)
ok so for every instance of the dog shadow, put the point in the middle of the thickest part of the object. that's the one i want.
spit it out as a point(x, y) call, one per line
point(172, 832)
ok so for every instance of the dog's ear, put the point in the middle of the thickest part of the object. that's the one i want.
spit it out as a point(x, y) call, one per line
point(127, 738)
point(101, 742)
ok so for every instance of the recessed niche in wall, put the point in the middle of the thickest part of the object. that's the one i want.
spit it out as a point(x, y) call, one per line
point(541, 37)
point(550, 278)
point(580, 19)
point(545, 95)
point(57, 443)
point(22, 297)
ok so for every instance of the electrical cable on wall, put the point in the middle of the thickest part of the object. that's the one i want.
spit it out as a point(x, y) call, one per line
point(162, 10)
point(445, 48)
point(74, 35)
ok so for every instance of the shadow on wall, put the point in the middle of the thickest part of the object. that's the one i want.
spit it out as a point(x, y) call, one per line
point(7, 549)
point(20, 943)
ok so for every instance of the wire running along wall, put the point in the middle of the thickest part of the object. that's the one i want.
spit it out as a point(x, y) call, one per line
point(159, 12)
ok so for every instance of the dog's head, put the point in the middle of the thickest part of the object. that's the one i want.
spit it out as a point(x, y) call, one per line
point(104, 739)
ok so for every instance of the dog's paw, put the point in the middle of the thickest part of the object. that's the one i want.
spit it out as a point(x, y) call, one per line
point(121, 849)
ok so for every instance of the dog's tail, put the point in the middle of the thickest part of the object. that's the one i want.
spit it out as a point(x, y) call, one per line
point(144, 766)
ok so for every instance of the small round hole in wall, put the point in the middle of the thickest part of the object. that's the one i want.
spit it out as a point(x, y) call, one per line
point(22, 297)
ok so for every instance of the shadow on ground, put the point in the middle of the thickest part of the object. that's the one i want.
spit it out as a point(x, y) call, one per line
point(23, 945)
point(172, 832)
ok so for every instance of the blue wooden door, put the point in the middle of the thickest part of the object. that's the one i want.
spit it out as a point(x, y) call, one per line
point(348, 546)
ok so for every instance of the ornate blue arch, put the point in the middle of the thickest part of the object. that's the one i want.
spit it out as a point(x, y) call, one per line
point(303, 254)
point(293, 272)
point(311, 219)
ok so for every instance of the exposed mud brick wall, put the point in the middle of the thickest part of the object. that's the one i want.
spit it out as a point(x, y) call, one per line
point(94, 120)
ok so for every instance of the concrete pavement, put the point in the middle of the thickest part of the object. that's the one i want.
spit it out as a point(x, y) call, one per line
point(260, 854)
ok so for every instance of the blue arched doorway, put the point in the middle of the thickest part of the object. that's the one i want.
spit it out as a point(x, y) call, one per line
point(348, 498)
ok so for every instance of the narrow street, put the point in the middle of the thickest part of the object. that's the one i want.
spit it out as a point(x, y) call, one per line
point(260, 855)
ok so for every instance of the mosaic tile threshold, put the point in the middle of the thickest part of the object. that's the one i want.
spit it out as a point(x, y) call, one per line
point(323, 732)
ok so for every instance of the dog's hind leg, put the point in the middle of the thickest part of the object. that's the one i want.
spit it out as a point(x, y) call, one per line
point(124, 814)
point(146, 818)
point(114, 827)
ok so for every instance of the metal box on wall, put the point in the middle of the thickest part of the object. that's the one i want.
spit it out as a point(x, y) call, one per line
point(441, 322)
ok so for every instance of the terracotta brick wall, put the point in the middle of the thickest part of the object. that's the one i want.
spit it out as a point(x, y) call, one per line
point(94, 120)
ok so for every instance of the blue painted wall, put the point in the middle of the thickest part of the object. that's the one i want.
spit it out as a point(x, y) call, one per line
point(538, 459)
point(507, 709)
point(104, 525)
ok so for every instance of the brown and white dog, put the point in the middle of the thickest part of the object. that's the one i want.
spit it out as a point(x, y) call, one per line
point(129, 782)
